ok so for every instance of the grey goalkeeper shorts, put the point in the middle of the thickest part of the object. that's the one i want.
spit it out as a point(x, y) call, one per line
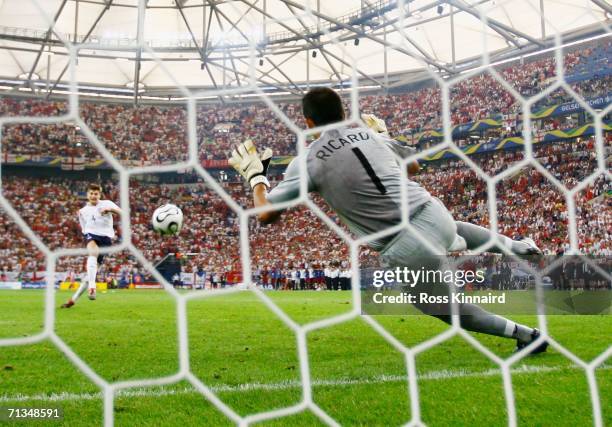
point(434, 224)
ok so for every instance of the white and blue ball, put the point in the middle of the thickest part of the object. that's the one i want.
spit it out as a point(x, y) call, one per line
point(167, 219)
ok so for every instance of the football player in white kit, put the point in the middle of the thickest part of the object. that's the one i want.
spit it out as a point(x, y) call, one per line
point(358, 175)
point(96, 219)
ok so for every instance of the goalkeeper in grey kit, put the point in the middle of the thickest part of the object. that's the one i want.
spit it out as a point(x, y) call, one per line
point(357, 173)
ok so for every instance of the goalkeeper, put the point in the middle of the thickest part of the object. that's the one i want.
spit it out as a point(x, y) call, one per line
point(358, 175)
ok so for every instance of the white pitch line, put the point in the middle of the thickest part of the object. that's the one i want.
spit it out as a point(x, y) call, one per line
point(286, 385)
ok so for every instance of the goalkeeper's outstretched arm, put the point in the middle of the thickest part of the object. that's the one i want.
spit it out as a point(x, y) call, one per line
point(287, 190)
point(253, 167)
point(260, 198)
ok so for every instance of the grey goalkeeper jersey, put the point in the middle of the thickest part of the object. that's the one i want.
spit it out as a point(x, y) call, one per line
point(358, 175)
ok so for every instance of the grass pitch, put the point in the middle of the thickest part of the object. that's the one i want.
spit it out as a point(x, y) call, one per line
point(249, 358)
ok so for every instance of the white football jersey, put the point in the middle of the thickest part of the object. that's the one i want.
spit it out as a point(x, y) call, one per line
point(92, 221)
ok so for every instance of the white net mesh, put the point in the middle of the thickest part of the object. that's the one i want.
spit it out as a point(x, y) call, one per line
point(301, 331)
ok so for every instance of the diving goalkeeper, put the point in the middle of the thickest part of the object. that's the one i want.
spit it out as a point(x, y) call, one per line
point(358, 175)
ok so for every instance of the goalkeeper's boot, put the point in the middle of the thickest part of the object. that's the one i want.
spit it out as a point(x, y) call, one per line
point(68, 304)
point(92, 294)
point(534, 336)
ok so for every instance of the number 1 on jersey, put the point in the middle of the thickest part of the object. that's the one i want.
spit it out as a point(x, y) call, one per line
point(368, 167)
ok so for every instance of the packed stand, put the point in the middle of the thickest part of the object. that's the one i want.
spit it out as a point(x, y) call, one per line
point(50, 205)
point(158, 135)
point(528, 204)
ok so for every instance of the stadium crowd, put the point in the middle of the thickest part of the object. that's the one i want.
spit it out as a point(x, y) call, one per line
point(527, 205)
point(211, 229)
point(302, 251)
point(157, 135)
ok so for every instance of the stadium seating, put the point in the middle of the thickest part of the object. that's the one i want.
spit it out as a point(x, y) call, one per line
point(528, 205)
point(157, 135)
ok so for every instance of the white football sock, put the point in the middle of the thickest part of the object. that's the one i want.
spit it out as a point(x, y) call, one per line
point(521, 332)
point(92, 271)
point(79, 292)
point(509, 329)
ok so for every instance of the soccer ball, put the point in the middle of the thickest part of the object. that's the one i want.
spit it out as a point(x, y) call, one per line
point(167, 219)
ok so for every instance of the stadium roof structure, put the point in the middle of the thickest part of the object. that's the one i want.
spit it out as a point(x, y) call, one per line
point(154, 45)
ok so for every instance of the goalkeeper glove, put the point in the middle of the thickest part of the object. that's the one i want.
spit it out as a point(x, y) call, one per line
point(250, 164)
point(374, 123)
